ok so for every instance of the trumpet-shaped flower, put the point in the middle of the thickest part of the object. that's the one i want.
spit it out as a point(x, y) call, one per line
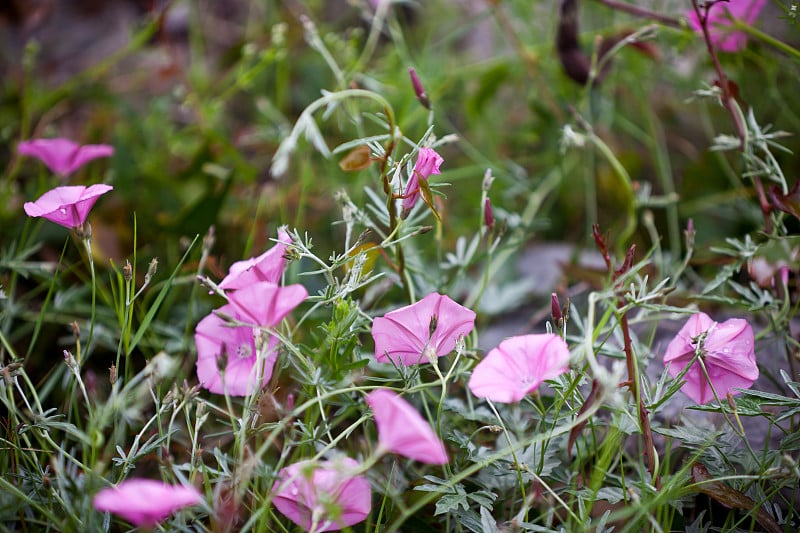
point(421, 332)
point(720, 17)
point(518, 366)
point(63, 156)
point(403, 431)
point(68, 206)
point(325, 496)
point(428, 162)
point(268, 266)
point(227, 357)
point(145, 502)
point(266, 304)
point(726, 349)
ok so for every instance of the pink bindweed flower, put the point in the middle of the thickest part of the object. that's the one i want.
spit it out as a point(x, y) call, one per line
point(63, 156)
point(518, 366)
point(67, 206)
point(719, 21)
point(325, 496)
point(227, 357)
point(145, 502)
point(727, 351)
point(403, 431)
point(268, 266)
point(266, 304)
point(421, 332)
point(428, 162)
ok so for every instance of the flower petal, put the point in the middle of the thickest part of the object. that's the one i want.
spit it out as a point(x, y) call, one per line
point(67, 206)
point(403, 431)
point(727, 352)
point(330, 488)
point(266, 304)
point(405, 337)
point(518, 366)
point(234, 349)
point(268, 266)
point(63, 156)
point(145, 502)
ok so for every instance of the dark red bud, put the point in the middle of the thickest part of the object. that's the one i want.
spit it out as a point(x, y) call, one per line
point(488, 215)
point(419, 90)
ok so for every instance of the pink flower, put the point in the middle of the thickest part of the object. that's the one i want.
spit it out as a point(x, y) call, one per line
point(518, 366)
point(719, 20)
point(268, 266)
point(233, 348)
point(325, 496)
point(145, 502)
point(403, 431)
point(727, 351)
point(63, 156)
point(67, 206)
point(266, 304)
point(227, 358)
point(421, 332)
point(428, 162)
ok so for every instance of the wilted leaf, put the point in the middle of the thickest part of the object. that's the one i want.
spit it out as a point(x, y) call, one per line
point(731, 498)
point(357, 159)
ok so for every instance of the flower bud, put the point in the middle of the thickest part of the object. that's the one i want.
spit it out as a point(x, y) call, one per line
point(419, 90)
point(488, 216)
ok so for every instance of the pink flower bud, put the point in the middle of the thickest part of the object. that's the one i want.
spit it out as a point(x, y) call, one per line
point(419, 90)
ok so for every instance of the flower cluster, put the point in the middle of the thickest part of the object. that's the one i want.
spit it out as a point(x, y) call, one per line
point(67, 206)
point(235, 353)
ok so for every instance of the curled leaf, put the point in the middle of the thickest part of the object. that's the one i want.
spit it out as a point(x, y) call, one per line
point(356, 159)
point(731, 498)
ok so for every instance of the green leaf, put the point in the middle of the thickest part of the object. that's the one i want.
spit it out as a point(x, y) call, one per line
point(451, 502)
point(724, 274)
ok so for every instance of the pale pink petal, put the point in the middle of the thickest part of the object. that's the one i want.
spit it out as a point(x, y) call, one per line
point(266, 304)
point(728, 354)
point(145, 502)
point(63, 156)
point(429, 328)
point(428, 162)
point(268, 266)
point(518, 366)
point(403, 431)
point(331, 488)
point(233, 349)
point(67, 206)
point(453, 321)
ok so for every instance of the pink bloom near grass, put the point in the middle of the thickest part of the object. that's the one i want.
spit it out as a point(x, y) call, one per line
point(268, 266)
point(227, 356)
point(63, 156)
point(421, 332)
point(145, 502)
point(234, 349)
point(727, 351)
point(266, 304)
point(428, 162)
point(403, 431)
point(325, 496)
point(518, 366)
point(719, 20)
point(68, 206)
